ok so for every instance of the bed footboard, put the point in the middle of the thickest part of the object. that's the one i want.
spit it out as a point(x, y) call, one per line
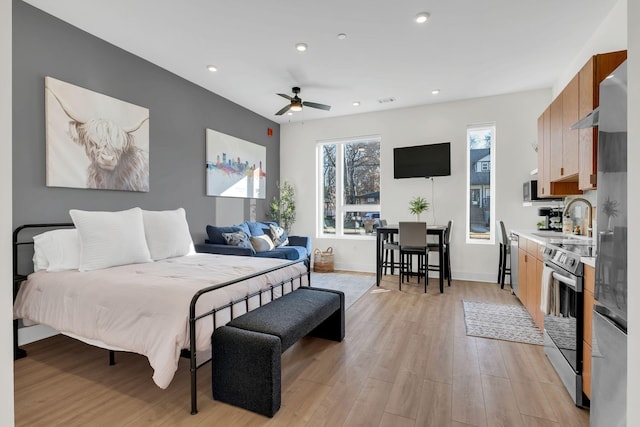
point(233, 305)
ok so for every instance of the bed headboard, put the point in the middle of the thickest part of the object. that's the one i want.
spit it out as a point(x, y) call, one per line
point(28, 241)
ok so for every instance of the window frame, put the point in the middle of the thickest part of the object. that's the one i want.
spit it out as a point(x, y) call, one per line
point(340, 207)
point(492, 185)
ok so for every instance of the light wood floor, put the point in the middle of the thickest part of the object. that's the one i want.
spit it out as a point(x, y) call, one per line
point(405, 361)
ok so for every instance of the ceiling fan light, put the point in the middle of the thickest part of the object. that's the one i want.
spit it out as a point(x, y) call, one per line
point(296, 106)
point(422, 17)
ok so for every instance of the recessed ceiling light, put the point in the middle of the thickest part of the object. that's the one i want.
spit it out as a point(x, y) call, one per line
point(212, 68)
point(422, 17)
point(342, 36)
point(435, 91)
point(289, 113)
point(301, 47)
point(356, 103)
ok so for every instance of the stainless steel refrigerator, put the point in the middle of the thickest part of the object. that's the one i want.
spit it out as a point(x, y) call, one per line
point(609, 352)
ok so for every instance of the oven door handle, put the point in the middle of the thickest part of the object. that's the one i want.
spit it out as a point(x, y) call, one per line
point(572, 283)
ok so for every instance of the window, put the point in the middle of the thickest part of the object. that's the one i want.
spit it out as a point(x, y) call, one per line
point(349, 186)
point(480, 192)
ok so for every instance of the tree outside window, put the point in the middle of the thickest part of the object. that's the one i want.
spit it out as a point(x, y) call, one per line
point(350, 186)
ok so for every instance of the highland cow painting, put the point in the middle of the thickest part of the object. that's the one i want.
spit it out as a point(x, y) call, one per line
point(235, 167)
point(95, 141)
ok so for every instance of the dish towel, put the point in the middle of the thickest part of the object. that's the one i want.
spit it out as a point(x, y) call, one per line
point(546, 291)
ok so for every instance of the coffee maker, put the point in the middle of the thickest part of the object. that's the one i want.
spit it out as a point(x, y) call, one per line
point(552, 219)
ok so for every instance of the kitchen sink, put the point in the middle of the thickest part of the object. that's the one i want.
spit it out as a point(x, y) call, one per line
point(549, 234)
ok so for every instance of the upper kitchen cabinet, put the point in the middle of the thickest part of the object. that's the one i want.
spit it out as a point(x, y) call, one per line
point(593, 72)
point(567, 158)
point(550, 129)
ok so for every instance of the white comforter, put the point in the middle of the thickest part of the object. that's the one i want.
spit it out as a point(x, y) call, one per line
point(144, 308)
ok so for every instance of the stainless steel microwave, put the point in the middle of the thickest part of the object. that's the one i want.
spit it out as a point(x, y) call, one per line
point(530, 190)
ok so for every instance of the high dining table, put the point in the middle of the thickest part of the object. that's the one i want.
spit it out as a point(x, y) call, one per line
point(436, 230)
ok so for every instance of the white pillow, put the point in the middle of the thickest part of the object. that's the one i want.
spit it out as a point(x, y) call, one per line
point(261, 243)
point(56, 250)
point(167, 234)
point(108, 239)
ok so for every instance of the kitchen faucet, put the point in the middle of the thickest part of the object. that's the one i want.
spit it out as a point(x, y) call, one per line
point(589, 211)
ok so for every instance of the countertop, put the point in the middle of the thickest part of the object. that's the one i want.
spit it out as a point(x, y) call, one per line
point(547, 237)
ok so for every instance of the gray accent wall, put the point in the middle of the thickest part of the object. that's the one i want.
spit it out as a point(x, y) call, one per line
point(180, 112)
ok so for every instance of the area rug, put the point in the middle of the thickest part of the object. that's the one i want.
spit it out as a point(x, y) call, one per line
point(353, 285)
point(501, 322)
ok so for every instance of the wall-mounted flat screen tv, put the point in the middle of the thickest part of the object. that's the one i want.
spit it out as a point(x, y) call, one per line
point(422, 161)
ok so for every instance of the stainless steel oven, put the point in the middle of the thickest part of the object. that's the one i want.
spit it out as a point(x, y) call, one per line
point(564, 317)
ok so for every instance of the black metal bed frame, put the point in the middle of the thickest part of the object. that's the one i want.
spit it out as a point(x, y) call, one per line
point(19, 353)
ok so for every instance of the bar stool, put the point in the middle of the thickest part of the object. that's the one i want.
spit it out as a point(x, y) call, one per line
point(389, 246)
point(505, 252)
point(446, 247)
point(413, 241)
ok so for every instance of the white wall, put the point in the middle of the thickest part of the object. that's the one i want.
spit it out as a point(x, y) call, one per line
point(610, 36)
point(6, 298)
point(515, 116)
point(633, 278)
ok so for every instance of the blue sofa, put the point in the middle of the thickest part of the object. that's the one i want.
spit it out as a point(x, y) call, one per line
point(299, 247)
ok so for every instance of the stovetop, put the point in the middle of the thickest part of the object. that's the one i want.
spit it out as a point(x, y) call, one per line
point(566, 254)
point(579, 248)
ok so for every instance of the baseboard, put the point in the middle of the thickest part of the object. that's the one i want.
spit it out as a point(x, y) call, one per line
point(456, 275)
point(34, 333)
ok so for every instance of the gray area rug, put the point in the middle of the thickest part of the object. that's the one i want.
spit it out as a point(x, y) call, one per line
point(353, 285)
point(500, 321)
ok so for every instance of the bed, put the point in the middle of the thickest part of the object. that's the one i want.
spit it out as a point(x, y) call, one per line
point(161, 309)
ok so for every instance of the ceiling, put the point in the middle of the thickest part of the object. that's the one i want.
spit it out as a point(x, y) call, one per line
point(467, 49)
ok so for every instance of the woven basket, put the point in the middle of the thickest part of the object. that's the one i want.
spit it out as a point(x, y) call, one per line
point(323, 261)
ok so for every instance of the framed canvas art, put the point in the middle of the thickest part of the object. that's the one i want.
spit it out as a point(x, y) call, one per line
point(235, 167)
point(94, 141)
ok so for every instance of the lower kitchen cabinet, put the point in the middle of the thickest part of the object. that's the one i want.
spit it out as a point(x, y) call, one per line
point(530, 267)
point(522, 274)
point(587, 328)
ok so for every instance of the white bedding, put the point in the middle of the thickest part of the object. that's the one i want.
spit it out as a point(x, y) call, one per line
point(144, 308)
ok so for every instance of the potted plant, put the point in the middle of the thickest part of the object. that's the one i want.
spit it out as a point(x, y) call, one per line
point(610, 209)
point(283, 208)
point(417, 205)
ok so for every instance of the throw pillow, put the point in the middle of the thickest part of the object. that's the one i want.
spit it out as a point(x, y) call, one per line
point(278, 235)
point(167, 234)
point(56, 250)
point(215, 233)
point(108, 239)
point(261, 243)
point(238, 238)
point(255, 228)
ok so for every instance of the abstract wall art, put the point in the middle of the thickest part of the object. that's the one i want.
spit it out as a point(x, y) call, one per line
point(235, 167)
point(94, 141)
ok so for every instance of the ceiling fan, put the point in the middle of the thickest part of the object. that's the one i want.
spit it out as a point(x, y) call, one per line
point(297, 103)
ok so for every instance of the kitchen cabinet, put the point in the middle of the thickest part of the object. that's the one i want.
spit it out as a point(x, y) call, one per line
point(550, 157)
point(530, 277)
point(570, 115)
point(544, 134)
point(594, 71)
point(522, 274)
point(567, 159)
point(587, 328)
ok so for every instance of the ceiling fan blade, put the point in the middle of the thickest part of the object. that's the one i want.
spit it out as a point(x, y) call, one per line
point(316, 105)
point(284, 110)
point(285, 96)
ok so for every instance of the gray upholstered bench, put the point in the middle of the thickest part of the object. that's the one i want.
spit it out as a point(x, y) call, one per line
point(247, 351)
